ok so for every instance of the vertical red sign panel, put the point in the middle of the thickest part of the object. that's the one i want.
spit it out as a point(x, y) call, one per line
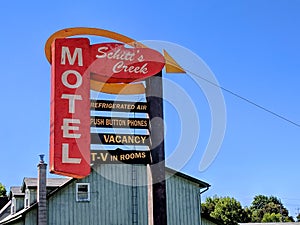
point(70, 108)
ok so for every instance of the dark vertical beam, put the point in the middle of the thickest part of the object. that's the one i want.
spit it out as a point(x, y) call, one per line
point(154, 96)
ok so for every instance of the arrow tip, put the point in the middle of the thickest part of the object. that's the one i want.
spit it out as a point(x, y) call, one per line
point(171, 65)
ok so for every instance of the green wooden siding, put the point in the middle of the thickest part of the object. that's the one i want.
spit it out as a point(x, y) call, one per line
point(183, 201)
point(31, 217)
point(33, 195)
point(105, 194)
point(19, 203)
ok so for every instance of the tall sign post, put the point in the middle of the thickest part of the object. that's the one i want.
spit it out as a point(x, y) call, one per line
point(154, 96)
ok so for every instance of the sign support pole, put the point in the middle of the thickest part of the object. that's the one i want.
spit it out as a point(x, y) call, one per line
point(154, 96)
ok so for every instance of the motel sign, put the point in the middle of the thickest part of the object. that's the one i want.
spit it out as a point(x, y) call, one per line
point(75, 63)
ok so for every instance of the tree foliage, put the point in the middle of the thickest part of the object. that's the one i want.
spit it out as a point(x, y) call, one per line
point(273, 217)
point(2, 190)
point(226, 209)
point(262, 209)
point(268, 209)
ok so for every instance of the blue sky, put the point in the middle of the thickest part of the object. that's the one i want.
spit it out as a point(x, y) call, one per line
point(251, 46)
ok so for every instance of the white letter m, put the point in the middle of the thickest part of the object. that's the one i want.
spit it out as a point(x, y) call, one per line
point(65, 53)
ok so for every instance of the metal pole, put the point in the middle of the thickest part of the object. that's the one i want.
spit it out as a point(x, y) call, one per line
point(154, 96)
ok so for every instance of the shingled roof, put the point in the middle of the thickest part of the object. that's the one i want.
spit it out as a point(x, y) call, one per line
point(51, 182)
point(15, 191)
point(3, 201)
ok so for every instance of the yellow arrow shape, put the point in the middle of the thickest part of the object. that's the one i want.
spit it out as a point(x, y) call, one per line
point(171, 65)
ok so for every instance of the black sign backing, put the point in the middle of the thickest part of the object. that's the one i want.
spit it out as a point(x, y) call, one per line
point(119, 106)
point(119, 122)
point(120, 139)
point(119, 156)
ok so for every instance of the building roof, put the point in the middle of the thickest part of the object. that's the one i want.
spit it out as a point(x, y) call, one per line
point(55, 183)
point(3, 201)
point(51, 182)
point(4, 211)
point(15, 191)
point(17, 216)
point(201, 184)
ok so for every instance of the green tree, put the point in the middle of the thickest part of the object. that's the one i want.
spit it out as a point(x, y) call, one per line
point(2, 190)
point(226, 209)
point(209, 206)
point(268, 209)
point(273, 217)
point(259, 202)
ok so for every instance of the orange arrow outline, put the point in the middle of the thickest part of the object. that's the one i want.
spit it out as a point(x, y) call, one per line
point(134, 88)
